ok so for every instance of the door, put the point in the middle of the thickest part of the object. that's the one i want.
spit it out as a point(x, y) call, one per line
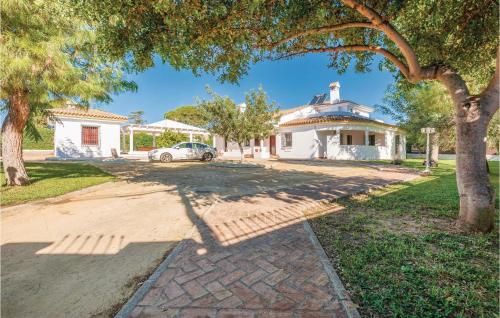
point(185, 151)
point(272, 145)
point(198, 150)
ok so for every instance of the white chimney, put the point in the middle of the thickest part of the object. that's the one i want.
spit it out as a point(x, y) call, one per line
point(334, 92)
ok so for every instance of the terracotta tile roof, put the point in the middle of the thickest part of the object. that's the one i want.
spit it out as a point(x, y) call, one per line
point(92, 113)
point(332, 118)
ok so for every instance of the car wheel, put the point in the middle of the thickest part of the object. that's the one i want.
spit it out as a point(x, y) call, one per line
point(166, 157)
point(207, 156)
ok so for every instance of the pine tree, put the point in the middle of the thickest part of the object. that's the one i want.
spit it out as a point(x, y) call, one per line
point(49, 58)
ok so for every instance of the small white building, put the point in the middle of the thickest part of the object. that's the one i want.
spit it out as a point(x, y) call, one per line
point(326, 128)
point(85, 133)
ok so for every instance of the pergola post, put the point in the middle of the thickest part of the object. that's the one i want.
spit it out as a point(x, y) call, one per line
point(131, 140)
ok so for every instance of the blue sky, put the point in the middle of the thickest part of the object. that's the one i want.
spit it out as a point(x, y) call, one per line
point(289, 82)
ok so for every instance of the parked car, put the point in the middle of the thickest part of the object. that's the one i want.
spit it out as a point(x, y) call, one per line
point(184, 151)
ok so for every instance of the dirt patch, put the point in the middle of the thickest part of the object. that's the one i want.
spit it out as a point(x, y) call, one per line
point(77, 257)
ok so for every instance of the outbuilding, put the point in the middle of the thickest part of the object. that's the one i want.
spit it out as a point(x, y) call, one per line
point(85, 132)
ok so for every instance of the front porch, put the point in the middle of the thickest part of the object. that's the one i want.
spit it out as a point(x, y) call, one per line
point(357, 144)
point(255, 148)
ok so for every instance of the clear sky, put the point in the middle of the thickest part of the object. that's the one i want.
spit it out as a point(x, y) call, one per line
point(290, 83)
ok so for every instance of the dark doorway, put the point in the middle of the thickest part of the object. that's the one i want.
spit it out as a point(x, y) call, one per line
point(272, 145)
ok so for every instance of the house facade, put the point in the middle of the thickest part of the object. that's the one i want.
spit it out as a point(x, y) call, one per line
point(85, 133)
point(326, 128)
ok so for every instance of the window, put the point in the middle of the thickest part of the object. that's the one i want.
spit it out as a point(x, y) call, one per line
point(200, 146)
point(371, 140)
point(90, 136)
point(184, 145)
point(349, 139)
point(286, 140)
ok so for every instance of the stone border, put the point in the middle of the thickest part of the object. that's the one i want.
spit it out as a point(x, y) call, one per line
point(335, 281)
point(139, 294)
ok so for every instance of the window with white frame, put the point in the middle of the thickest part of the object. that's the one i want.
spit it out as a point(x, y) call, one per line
point(286, 140)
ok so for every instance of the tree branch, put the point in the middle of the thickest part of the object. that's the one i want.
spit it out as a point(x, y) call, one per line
point(381, 24)
point(489, 96)
point(324, 29)
point(357, 48)
point(450, 79)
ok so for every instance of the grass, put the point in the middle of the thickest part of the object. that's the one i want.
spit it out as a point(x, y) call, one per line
point(52, 179)
point(400, 254)
point(46, 143)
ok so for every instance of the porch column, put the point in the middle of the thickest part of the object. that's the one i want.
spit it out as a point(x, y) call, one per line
point(154, 140)
point(367, 138)
point(122, 140)
point(190, 137)
point(131, 140)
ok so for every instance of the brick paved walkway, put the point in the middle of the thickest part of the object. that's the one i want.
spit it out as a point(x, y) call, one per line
point(253, 256)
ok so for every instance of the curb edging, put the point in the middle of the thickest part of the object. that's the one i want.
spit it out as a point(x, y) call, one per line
point(335, 281)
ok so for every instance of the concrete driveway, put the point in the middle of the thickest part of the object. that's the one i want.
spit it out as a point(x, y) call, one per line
point(82, 254)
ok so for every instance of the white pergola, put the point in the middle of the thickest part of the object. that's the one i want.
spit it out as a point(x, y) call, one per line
point(159, 127)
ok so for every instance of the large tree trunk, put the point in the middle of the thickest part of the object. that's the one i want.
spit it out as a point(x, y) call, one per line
point(477, 196)
point(473, 113)
point(12, 139)
point(435, 147)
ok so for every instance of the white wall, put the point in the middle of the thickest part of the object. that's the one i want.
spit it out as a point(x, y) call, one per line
point(305, 143)
point(68, 135)
point(308, 142)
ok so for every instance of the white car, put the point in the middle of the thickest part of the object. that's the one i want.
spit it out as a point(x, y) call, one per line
point(184, 151)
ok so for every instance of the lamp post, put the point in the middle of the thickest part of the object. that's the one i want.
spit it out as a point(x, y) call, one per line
point(428, 131)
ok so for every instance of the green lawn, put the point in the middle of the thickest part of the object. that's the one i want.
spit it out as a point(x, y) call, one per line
point(52, 179)
point(399, 254)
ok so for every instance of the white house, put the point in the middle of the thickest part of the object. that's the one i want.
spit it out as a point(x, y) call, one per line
point(327, 128)
point(85, 133)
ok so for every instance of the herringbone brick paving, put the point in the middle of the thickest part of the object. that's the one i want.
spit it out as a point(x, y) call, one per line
point(250, 257)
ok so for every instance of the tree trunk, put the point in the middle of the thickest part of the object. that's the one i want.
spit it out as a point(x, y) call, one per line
point(435, 147)
point(242, 158)
point(477, 196)
point(473, 113)
point(12, 139)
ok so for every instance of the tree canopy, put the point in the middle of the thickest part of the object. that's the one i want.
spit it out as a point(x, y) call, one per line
point(169, 138)
point(239, 123)
point(226, 37)
point(136, 117)
point(48, 52)
point(422, 105)
point(188, 114)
